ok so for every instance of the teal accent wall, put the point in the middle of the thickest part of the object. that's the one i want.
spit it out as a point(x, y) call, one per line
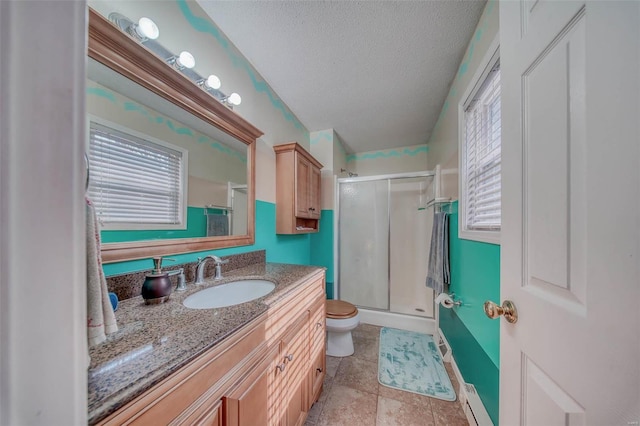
point(475, 365)
point(322, 248)
point(196, 227)
point(474, 338)
point(280, 248)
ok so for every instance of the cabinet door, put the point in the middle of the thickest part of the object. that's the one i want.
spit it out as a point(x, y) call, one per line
point(315, 180)
point(316, 376)
point(303, 174)
point(316, 350)
point(251, 402)
point(206, 414)
point(295, 356)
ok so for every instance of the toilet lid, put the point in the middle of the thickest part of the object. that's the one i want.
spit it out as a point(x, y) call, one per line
point(338, 309)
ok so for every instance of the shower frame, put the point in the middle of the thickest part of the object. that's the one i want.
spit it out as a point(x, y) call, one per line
point(388, 178)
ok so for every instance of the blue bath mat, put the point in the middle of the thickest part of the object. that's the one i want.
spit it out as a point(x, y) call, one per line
point(411, 362)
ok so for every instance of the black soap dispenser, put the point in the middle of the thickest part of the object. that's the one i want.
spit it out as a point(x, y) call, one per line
point(157, 285)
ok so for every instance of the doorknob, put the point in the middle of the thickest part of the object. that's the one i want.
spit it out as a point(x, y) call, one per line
point(508, 309)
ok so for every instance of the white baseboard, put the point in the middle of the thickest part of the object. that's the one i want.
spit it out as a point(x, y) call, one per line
point(393, 320)
point(471, 403)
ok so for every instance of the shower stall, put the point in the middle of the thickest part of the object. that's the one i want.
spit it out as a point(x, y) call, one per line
point(383, 238)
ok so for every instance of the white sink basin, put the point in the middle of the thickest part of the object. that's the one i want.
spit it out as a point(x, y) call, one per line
point(229, 294)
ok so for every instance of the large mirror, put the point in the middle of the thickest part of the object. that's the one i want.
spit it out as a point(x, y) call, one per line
point(153, 132)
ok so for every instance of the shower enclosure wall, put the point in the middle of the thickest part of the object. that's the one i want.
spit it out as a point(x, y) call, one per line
point(384, 233)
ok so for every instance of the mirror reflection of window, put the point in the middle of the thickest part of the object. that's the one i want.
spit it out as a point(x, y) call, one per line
point(137, 182)
point(213, 164)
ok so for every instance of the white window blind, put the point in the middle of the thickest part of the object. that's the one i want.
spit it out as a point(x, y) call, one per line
point(134, 180)
point(482, 155)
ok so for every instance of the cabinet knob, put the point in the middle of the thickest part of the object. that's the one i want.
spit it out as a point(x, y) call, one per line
point(289, 357)
point(318, 325)
point(319, 370)
point(281, 367)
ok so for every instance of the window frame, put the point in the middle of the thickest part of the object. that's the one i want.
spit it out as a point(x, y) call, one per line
point(184, 177)
point(490, 59)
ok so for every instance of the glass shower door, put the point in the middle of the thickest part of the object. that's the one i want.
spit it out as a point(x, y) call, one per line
point(364, 243)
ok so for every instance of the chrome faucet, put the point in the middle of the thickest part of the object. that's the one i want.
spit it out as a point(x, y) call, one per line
point(182, 285)
point(200, 268)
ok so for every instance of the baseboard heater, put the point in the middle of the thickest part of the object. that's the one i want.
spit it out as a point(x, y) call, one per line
point(474, 408)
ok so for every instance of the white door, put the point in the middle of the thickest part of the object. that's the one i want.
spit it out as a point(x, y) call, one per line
point(571, 223)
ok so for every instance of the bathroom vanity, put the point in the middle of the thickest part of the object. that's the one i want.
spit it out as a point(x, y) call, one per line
point(261, 362)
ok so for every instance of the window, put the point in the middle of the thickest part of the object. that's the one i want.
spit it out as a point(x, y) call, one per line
point(137, 182)
point(480, 206)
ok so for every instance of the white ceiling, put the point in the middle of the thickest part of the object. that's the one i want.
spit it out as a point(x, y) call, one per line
point(377, 72)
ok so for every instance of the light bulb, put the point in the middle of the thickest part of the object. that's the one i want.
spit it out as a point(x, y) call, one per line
point(213, 82)
point(234, 99)
point(186, 60)
point(146, 28)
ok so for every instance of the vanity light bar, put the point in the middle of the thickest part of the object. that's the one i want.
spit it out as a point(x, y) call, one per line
point(146, 32)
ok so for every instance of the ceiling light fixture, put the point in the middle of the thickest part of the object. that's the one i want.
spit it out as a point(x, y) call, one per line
point(146, 31)
point(232, 100)
point(182, 61)
point(211, 82)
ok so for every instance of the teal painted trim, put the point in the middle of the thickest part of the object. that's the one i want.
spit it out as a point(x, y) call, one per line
point(203, 25)
point(475, 365)
point(318, 136)
point(464, 65)
point(131, 106)
point(475, 277)
point(322, 244)
point(280, 248)
point(103, 93)
point(196, 227)
point(482, 26)
point(387, 154)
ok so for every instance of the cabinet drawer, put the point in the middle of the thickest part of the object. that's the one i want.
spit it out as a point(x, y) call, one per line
point(281, 317)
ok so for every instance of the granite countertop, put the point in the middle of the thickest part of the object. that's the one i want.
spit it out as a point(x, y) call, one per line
point(154, 341)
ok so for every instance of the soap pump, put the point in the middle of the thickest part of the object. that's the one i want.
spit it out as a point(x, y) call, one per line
point(157, 285)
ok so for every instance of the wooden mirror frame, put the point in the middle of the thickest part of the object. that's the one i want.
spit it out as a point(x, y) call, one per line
point(118, 51)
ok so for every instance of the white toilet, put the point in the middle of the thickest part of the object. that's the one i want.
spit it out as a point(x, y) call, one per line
point(342, 317)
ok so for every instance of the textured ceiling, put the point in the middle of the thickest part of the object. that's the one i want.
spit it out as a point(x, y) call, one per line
point(377, 72)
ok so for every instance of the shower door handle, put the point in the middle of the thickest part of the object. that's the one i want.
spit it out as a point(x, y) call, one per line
point(508, 310)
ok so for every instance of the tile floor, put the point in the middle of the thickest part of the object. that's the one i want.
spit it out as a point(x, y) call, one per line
point(352, 395)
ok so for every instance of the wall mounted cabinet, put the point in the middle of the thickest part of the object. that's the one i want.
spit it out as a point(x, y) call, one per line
point(298, 182)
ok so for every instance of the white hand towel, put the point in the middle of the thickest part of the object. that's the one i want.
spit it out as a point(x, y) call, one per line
point(100, 317)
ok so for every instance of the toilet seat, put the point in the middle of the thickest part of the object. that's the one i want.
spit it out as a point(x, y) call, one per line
point(339, 309)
